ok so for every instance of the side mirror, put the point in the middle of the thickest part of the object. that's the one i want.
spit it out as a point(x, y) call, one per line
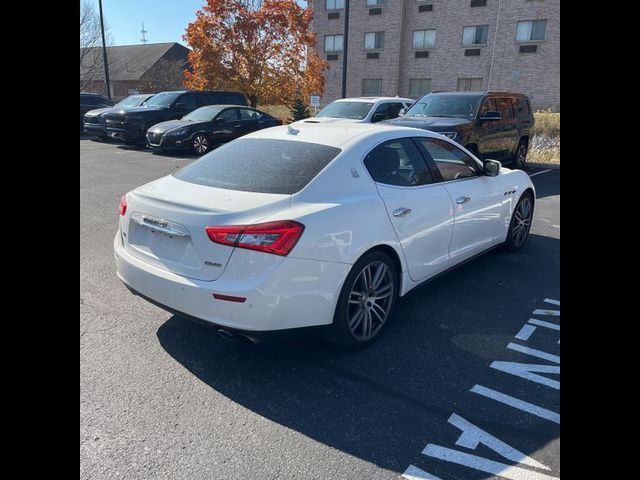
point(492, 168)
point(402, 112)
point(377, 117)
point(218, 120)
point(491, 116)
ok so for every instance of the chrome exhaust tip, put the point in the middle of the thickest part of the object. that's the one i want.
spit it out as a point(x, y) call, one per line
point(246, 339)
point(228, 336)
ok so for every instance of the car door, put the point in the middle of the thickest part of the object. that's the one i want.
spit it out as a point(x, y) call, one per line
point(508, 127)
point(225, 125)
point(184, 104)
point(249, 121)
point(477, 199)
point(488, 131)
point(420, 210)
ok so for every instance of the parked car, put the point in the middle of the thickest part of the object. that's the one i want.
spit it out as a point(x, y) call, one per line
point(90, 101)
point(495, 125)
point(94, 120)
point(315, 228)
point(361, 110)
point(131, 125)
point(207, 127)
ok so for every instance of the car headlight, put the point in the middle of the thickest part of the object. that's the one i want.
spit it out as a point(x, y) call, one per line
point(451, 135)
point(179, 131)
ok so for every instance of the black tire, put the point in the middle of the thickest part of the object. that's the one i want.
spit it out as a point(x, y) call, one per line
point(200, 144)
point(346, 313)
point(519, 231)
point(520, 158)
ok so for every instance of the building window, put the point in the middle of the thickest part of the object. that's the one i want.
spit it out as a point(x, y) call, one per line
point(375, 2)
point(333, 43)
point(469, 84)
point(531, 31)
point(371, 86)
point(424, 39)
point(373, 40)
point(419, 86)
point(475, 35)
point(335, 4)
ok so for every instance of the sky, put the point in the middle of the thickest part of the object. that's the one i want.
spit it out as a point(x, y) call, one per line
point(164, 20)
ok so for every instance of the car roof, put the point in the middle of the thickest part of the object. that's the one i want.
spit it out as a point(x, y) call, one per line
point(373, 99)
point(226, 105)
point(333, 134)
point(479, 93)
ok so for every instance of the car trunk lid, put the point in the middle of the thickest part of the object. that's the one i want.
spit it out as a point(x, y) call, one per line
point(165, 223)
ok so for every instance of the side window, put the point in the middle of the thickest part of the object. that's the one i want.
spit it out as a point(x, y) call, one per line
point(397, 162)
point(381, 113)
point(189, 101)
point(452, 162)
point(230, 99)
point(504, 107)
point(394, 109)
point(229, 115)
point(89, 100)
point(246, 114)
point(207, 99)
point(521, 107)
point(488, 106)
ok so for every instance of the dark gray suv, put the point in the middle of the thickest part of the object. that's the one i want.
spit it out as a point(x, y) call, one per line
point(492, 125)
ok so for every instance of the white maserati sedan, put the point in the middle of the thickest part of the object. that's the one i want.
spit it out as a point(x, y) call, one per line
point(315, 228)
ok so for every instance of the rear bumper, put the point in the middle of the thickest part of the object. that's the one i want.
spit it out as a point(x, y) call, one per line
point(289, 293)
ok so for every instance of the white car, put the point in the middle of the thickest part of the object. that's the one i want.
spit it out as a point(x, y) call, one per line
point(292, 229)
point(360, 110)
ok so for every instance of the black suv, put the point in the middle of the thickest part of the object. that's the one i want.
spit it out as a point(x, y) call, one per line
point(91, 101)
point(492, 125)
point(131, 125)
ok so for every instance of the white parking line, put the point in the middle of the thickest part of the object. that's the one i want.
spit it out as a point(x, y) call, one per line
point(542, 323)
point(482, 464)
point(551, 301)
point(473, 436)
point(554, 313)
point(534, 353)
point(527, 371)
point(525, 332)
point(415, 473)
point(516, 403)
point(540, 173)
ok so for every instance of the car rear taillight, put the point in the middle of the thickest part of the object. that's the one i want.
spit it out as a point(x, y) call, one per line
point(272, 237)
point(123, 204)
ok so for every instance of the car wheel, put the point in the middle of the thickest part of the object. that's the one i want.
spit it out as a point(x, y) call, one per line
point(200, 144)
point(520, 224)
point(521, 154)
point(367, 297)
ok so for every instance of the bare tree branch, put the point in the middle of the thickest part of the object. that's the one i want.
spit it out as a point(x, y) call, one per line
point(90, 43)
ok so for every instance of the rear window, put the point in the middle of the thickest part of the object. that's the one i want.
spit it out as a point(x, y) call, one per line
point(261, 165)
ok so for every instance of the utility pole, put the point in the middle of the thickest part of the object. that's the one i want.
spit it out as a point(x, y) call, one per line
point(345, 45)
point(143, 32)
point(104, 53)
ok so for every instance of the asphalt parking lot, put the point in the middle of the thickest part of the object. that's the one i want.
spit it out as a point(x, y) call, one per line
point(164, 398)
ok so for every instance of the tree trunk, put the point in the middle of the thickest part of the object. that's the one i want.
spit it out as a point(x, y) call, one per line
point(253, 101)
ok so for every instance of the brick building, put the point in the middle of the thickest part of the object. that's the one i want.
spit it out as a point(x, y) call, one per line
point(411, 47)
point(136, 68)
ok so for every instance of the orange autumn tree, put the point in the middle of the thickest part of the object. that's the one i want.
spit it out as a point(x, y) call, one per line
point(261, 48)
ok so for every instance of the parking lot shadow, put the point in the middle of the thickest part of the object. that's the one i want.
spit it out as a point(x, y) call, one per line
point(385, 403)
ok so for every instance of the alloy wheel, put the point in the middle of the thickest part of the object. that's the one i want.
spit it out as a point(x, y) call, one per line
point(522, 219)
point(370, 300)
point(200, 144)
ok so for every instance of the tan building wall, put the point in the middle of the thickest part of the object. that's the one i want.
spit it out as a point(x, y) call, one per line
point(499, 65)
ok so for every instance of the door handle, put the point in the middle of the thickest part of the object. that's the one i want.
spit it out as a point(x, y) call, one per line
point(401, 212)
point(237, 126)
point(461, 200)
